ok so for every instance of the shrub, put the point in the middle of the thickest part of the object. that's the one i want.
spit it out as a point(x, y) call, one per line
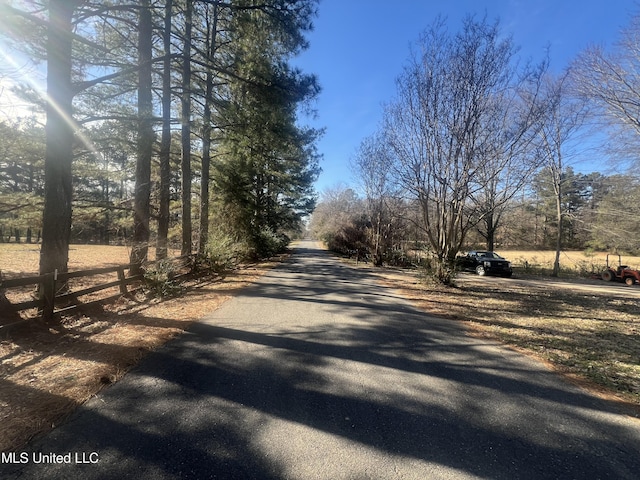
point(531, 266)
point(438, 273)
point(349, 239)
point(587, 268)
point(224, 251)
point(397, 258)
point(269, 243)
point(160, 281)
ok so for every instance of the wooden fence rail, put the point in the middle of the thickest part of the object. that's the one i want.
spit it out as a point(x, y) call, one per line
point(49, 282)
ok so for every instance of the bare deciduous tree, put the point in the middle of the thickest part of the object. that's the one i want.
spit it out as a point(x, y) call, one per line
point(372, 164)
point(611, 82)
point(337, 210)
point(565, 117)
point(456, 126)
point(510, 160)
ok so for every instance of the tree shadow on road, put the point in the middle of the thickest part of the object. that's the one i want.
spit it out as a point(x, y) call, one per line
point(220, 400)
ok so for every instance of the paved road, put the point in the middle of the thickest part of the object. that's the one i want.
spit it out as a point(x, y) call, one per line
point(317, 372)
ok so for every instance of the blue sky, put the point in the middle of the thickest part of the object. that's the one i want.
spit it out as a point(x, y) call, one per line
point(359, 47)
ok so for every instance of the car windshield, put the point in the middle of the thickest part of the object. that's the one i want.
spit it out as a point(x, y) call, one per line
point(488, 255)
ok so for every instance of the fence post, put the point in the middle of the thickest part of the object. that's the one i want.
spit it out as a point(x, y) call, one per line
point(5, 306)
point(122, 279)
point(48, 294)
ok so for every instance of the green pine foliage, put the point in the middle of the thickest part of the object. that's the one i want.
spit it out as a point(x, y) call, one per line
point(265, 177)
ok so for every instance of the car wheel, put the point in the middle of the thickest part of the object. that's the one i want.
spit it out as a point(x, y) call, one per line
point(629, 281)
point(481, 271)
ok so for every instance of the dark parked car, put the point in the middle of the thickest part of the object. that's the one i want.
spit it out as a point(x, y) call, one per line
point(485, 263)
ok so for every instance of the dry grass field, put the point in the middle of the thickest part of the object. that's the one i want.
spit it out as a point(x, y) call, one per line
point(45, 372)
point(573, 262)
point(21, 259)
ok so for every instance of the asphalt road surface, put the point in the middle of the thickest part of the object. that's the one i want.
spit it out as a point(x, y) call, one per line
point(318, 372)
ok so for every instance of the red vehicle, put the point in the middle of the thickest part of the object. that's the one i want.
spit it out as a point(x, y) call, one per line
point(621, 273)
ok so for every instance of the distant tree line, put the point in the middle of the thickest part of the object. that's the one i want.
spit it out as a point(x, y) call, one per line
point(596, 213)
point(168, 123)
point(479, 149)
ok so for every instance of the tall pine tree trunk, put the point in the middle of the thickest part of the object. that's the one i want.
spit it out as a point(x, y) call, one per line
point(186, 132)
point(204, 181)
point(206, 138)
point(145, 140)
point(58, 195)
point(165, 144)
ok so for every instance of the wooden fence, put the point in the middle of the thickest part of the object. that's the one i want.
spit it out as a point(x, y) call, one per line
point(51, 302)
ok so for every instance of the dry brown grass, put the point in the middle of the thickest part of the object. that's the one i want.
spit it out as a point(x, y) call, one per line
point(46, 372)
point(21, 259)
point(577, 262)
